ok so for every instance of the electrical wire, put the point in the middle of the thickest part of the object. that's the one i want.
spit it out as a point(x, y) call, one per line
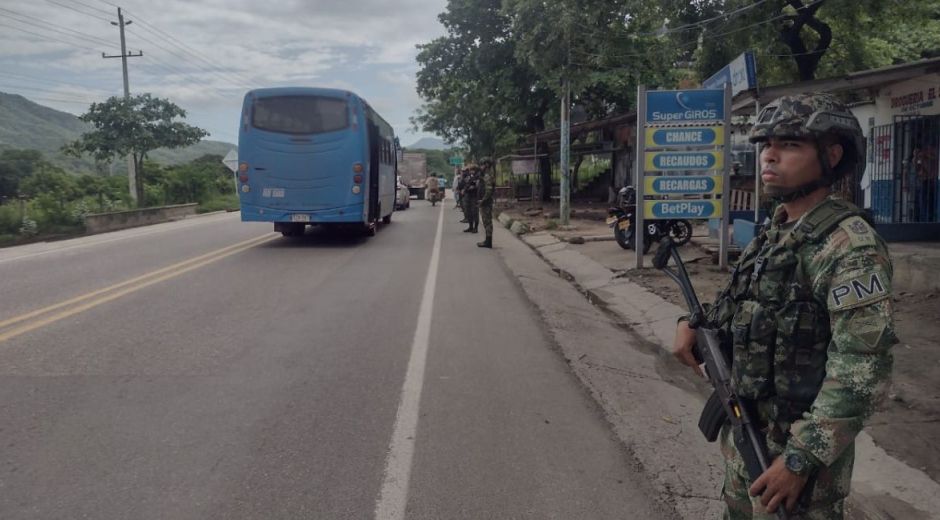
point(47, 37)
point(43, 25)
point(189, 50)
point(78, 10)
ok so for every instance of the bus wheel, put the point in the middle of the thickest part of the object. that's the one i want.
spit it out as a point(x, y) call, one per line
point(387, 219)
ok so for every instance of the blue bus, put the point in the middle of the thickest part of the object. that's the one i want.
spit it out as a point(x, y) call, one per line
point(314, 156)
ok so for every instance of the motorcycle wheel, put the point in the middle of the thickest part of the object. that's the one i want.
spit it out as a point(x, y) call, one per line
point(624, 238)
point(681, 232)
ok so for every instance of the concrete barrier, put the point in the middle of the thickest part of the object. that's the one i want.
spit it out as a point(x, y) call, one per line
point(102, 222)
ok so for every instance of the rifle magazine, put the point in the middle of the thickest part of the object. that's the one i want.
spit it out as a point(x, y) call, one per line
point(713, 418)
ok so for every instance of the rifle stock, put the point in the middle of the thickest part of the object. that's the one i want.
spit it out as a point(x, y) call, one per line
point(724, 404)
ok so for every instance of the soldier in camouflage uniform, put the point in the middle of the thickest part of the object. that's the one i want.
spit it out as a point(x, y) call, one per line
point(486, 203)
point(808, 315)
point(471, 195)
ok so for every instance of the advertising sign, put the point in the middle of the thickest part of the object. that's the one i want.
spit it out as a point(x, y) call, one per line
point(683, 161)
point(689, 209)
point(740, 73)
point(684, 185)
point(682, 106)
point(685, 136)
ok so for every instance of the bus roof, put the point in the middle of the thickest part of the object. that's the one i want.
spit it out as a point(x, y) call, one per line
point(299, 91)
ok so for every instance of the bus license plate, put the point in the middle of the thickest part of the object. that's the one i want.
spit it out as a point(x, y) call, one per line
point(299, 217)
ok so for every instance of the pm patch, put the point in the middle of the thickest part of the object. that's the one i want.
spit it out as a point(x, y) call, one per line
point(860, 233)
point(862, 290)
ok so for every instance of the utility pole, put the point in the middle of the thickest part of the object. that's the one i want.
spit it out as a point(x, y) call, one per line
point(564, 191)
point(564, 198)
point(131, 165)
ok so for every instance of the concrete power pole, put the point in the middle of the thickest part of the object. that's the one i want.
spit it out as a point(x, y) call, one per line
point(131, 166)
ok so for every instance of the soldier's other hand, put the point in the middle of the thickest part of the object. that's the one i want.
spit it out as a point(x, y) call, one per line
point(778, 485)
point(682, 347)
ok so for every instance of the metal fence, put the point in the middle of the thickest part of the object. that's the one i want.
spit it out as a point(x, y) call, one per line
point(903, 166)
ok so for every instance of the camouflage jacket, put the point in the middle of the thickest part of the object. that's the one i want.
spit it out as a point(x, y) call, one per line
point(489, 186)
point(836, 368)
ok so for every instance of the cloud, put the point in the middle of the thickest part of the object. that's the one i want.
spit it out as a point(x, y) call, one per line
point(205, 54)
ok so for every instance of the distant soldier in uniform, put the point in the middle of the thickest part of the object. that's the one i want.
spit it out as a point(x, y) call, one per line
point(457, 180)
point(808, 317)
point(486, 203)
point(464, 181)
point(471, 200)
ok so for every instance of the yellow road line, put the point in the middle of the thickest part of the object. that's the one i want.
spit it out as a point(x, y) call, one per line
point(136, 284)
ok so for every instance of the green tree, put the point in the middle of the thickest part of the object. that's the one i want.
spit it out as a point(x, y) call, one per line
point(802, 39)
point(15, 166)
point(134, 126)
point(476, 92)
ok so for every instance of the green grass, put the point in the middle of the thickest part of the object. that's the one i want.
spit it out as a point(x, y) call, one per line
point(220, 203)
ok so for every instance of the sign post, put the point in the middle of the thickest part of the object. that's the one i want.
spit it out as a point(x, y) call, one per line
point(683, 142)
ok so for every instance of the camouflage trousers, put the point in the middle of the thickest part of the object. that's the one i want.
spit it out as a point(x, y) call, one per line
point(486, 215)
point(472, 212)
point(827, 488)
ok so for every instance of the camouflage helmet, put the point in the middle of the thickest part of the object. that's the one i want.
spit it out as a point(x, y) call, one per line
point(813, 116)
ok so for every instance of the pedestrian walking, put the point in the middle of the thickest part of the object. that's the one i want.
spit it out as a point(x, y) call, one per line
point(808, 317)
point(487, 189)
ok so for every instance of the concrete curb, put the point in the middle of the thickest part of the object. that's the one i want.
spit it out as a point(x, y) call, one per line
point(883, 486)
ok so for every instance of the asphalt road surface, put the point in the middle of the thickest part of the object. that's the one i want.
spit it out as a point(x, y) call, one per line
point(210, 368)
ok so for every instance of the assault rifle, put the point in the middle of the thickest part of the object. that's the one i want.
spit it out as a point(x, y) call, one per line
point(723, 404)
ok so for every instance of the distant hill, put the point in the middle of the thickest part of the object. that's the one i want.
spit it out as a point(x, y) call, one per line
point(28, 125)
point(429, 143)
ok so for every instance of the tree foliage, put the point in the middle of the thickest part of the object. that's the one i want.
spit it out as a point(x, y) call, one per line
point(134, 126)
point(498, 71)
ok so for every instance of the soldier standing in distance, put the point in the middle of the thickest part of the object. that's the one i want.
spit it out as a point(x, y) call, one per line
point(471, 194)
point(808, 315)
point(486, 202)
point(464, 181)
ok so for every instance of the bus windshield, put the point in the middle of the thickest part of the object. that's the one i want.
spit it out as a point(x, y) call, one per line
point(300, 114)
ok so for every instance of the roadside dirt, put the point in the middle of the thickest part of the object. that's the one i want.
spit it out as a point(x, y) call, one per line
point(906, 424)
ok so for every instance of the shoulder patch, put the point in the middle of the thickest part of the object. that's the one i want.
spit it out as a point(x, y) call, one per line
point(864, 289)
point(859, 232)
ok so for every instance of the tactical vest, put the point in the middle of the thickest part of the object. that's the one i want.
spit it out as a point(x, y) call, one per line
point(778, 330)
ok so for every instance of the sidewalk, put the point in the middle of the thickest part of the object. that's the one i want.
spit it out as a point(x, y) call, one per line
point(896, 455)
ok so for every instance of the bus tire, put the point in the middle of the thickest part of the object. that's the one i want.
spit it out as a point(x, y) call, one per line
point(387, 219)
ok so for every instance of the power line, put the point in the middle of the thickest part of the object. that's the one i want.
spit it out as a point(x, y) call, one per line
point(42, 25)
point(53, 81)
point(93, 8)
point(47, 37)
point(78, 10)
point(214, 90)
point(187, 49)
point(702, 23)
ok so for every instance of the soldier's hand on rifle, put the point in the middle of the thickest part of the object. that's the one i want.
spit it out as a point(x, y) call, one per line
point(778, 485)
point(682, 347)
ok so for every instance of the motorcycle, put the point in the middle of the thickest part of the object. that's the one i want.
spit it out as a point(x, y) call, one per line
point(434, 196)
point(622, 219)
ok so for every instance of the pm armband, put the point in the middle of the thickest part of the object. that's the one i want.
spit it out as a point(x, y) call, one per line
point(863, 289)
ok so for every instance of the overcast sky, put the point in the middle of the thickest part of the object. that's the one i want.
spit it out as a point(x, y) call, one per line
point(205, 54)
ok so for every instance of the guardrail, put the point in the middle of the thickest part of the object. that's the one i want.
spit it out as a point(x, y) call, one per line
point(102, 222)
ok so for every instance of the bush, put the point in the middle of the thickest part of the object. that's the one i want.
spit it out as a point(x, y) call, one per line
point(9, 219)
point(218, 203)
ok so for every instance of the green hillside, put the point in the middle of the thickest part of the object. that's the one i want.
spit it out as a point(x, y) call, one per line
point(30, 126)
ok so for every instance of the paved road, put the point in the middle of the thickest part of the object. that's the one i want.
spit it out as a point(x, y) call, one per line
point(212, 369)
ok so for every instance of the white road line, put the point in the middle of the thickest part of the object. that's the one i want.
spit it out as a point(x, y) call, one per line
point(394, 495)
